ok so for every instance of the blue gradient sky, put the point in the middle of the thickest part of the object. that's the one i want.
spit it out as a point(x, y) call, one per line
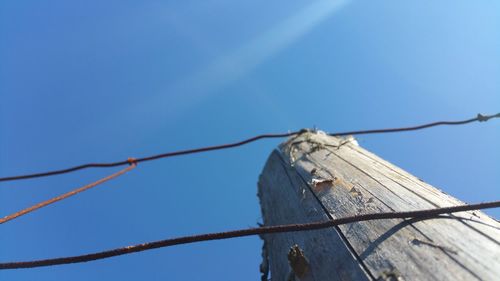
point(88, 81)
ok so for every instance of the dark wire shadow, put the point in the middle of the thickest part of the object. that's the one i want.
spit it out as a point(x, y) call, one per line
point(471, 226)
point(476, 221)
point(368, 251)
point(409, 222)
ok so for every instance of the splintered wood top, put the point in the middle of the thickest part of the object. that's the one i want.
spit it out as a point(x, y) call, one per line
point(314, 176)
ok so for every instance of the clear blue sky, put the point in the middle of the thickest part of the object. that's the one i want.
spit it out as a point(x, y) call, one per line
point(87, 81)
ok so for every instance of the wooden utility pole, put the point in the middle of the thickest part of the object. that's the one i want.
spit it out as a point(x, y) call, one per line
point(314, 177)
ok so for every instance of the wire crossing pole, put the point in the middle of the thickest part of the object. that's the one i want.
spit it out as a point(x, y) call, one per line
point(313, 177)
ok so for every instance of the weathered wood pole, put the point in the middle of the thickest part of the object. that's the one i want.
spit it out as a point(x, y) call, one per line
point(314, 177)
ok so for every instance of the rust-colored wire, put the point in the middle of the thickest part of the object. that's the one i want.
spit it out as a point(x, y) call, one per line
point(422, 214)
point(65, 195)
point(480, 118)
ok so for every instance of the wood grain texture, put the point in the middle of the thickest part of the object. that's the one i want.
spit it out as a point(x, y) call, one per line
point(315, 177)
point(285, 198)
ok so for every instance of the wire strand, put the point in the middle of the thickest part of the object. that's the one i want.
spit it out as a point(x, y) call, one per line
point(480, 118)
point(422, 214)
point(64, 196)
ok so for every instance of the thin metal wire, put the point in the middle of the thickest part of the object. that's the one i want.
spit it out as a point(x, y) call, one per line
point(480, 118)
point(421, 214)
point(65, 195)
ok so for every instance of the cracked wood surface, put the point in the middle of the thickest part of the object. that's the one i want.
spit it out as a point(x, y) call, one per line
point(315, 177)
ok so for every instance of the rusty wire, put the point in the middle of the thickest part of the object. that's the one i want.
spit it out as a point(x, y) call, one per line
point(479, 117)
point(421, 214)
point(65, 195)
